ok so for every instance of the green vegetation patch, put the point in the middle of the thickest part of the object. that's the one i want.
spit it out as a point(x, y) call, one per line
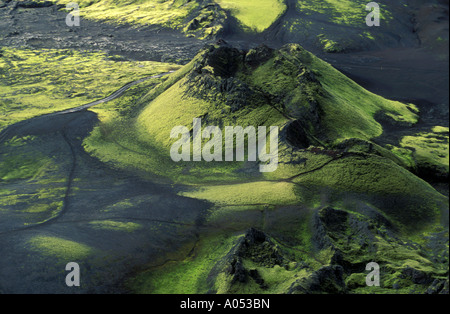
point(187, 275)
point(23, 167)
point(287, 85)
point(202, 19)
point(348, 109)
point(169, 13)
point(115, 225)
point(59, 247)
point(36, 82)
point(430, 149)
point(328, 44)
point(256, 15)
point(342, 12)
point(416, 202)
point(33, 181)
point(276, 193)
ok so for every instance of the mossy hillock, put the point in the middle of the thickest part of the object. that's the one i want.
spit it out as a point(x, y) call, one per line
point(360, 202)
point(345, 243)
point(359, 238)
point(327, 125)
point(309, 95)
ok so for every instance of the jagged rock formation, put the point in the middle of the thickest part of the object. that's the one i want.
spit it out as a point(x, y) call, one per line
point(351, 241)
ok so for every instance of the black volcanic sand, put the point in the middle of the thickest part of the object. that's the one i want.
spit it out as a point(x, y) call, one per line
point(95, 192)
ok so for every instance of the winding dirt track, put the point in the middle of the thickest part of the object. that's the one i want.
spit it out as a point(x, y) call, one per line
point(92, 192)
point(15, 128)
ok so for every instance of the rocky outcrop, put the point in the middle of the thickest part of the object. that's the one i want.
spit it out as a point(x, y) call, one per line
point(345, 243)
point(258, 248)
point(439, 286)
point(220, 77)
point(207, 21)
point(258, 56)
point(328, 279)
point(358, 239)
point(34, 4)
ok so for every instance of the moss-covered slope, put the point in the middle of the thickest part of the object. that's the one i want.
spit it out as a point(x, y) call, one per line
point(202, 18)
point(327, 256)
point(326, 125)
point(310, 101)
point(326, 157)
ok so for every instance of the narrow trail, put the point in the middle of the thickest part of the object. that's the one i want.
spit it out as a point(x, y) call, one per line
point(8, 132)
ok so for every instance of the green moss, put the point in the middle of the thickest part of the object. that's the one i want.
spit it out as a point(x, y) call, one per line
point(406, 155)
point(115, 225)
point(278, 280)
point(36, 82)
point(42, 180)
point(356, 280)
point(59, 248)
point(23, 167)
point(235, 217)
point(369, 35)
point(398, 254)
point(170, 13)
point(343, 12)
point(280, 193)
point(366, 174)
point(416, 200)
point(144, 143)
point(348, 109)
point(256, 15)
point(187, 275)
point(175, 14)
point(440, 129)
point(430, 149)
point(198, 273)
point(328, 44)
point(41, 208)
point(37, 206)
point(400, 257)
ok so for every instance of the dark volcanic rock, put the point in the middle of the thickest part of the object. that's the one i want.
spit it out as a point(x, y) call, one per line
point(439, 286)
point(34, 4)
point(334, 220)
point(340, 230)
point(417, 276)
point(193, 25)
point(296, 135)
point(258, 56)
point(237, 270)
point(257, 278)
point(224, 60)
point(328, 221)
point(257, 247)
